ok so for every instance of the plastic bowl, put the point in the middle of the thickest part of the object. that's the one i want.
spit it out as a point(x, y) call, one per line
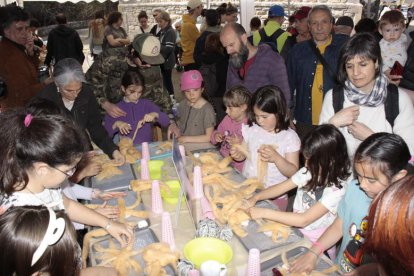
point(200, 250)
point(171, 197)
point(154, 167)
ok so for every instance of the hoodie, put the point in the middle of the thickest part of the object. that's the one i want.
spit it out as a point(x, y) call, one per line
point(64, 42)
point(189, 35)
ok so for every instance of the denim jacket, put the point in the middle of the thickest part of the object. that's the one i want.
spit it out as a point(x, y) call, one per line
point(301, 67)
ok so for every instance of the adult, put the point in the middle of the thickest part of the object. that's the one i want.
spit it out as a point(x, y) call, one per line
point(63, 42)
point(273, 30)
point(255, 25)
point(167, 38)
point(190, 33)
point(365, 92)
point(144, 27)
point(368, 25)
point(407, 81)
point(18, 62)
point(213, 26)
point(301, 25)
point(106, 73)
point(344, 25)
point(309, 78)
point(252, 66)
point(115, 35)
point(96, 33)
point(156, 27)
point(77, 100)
point(231, 14)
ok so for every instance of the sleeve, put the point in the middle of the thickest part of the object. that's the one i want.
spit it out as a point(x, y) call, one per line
point(301, 177)
point(279, 76)
point(82, 192)
point(331, 198)
point(294, 141)
point(327, 111)
point(168, 43)
point(404, 123)
point(209, 117)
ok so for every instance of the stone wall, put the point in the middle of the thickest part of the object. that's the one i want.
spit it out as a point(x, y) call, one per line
point(131, 8)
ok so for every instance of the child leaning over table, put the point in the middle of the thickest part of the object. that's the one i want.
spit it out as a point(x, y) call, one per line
point(196, 115)
point(237, 101)
point(140, 113)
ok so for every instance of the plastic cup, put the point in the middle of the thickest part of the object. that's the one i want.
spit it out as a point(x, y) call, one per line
point(167, 230)
point(171, 196)
point(156, 205)
point(198, 182)
point(155, 167)
point(253, 264)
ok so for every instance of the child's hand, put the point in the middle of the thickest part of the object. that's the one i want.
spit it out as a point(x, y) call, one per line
point(119, 231)
point(173, 129)
point(150, 117)
point(107, 195)
point(268, 153)
point(124, 128)
point(236, 154)
point(256, 213)
point(345, 117)
point(248, 203)
point(91, 168)
point(118, 158)
point(183, 139)
point(219, 137)
point(110, 212)
point(305, 263)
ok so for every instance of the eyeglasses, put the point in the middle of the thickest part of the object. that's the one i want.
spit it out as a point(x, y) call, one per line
point(68, 173)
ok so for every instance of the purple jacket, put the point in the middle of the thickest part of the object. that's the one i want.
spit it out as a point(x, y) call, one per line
point(135, 113)
point(268, 68)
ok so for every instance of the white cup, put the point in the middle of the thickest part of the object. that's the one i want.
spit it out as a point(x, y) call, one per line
point(213, 268)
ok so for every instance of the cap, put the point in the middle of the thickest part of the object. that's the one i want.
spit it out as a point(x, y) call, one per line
point(148, 48)
point(276, 10)
point(302, 12)
point(192, 4)
point(191, 80)
point(345, 21)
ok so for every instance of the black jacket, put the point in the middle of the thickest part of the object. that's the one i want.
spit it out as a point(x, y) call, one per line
point(85, 113)
point(168, 38)
point(64, 42)
point(408, 75)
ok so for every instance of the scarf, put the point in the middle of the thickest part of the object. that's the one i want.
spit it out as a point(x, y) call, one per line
point(377, 96)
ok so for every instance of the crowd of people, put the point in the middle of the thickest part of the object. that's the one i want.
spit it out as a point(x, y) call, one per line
point(323, 109)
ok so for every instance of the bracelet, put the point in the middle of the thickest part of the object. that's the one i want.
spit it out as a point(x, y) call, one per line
point(319, 246)
point(313, 252)
point(108, 225)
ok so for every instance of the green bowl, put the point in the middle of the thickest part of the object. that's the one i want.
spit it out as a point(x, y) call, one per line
point(171, 196)
point(200, 250)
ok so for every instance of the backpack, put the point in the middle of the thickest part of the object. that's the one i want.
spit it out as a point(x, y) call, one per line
point(392, 108)
point(270, 40)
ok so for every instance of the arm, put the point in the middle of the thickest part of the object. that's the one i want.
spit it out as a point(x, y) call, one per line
point(287, 165)
point(404, 123)
point(273, 191)
point(218, 134)
point(116, 42)
point(168, 43)
point(198, 138)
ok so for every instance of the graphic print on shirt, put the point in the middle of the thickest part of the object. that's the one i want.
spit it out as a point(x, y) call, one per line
point(353, 253)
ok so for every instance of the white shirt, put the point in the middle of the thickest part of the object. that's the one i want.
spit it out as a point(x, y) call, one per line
point(49, 197)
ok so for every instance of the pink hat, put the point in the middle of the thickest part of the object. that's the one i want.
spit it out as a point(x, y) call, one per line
point(191, 80)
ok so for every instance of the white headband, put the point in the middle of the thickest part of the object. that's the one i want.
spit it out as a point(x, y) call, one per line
point(54, 232)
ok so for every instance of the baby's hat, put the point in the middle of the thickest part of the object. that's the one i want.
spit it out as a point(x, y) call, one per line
point(191, 80)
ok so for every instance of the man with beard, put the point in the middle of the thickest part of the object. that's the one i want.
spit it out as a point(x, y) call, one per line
point(251, 66)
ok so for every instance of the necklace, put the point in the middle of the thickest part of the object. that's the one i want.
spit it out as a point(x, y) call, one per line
point(53, 203)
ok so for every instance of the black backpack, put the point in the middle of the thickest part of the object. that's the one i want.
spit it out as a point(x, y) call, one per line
point(392, 108)
point(270, 40)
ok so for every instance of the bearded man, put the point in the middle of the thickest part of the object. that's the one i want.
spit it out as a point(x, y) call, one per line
point(250, 66)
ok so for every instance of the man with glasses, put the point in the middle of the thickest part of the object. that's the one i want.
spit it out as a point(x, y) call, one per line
point(18, 61)
point(190, 33)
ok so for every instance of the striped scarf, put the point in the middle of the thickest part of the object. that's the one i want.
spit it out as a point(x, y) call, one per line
point(377, 96)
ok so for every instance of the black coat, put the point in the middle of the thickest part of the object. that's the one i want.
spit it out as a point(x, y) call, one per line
point(85, 113)
point(408, 74)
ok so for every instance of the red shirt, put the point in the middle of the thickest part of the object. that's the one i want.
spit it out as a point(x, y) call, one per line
point(246, 66)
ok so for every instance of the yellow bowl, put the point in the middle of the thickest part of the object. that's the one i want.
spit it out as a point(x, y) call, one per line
point(200, 250)
point(171, 196)
point(154, 167)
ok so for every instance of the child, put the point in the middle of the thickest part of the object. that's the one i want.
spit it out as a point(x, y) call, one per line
point(38, 154)
point(321, 185)
point(270, 140)
point(24, 229)
point(139, 112)
point(394, 42)
point(380, 159)
point(236, 100)
point(197, 116)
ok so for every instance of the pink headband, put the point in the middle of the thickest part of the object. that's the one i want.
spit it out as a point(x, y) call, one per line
point(28, 120)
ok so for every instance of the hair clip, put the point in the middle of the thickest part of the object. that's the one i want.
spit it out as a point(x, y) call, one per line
point(28, 119)
point(54, 232)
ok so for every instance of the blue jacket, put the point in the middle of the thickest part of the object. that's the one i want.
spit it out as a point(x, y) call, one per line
point(301, 68)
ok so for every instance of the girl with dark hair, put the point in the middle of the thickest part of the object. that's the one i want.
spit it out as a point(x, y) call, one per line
point(365, 94)
point(38, 154)
point(115, 35)
point(140, 113)
point(321, 185)
point(270, 140)
point(392, 233)
point(380, 160)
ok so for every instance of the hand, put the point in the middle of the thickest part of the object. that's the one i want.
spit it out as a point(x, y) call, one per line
point(219, 137)
point(113, 110)
point(150, 117)
point(173, 129)
point(305, 263)
point(236, 154)
point(360, 131)
point(249, 203)
point(110, 212)
point(119, 231)
point(118, 157)
point(124, 128)
point(91, 168)
point(395, 79)
point(108, 195)
point(345, 117)
point(268, 153)
point(256, 213)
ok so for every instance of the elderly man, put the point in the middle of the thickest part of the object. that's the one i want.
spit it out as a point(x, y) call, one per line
point(312, 67)
point(251, 66)
point(18, 62)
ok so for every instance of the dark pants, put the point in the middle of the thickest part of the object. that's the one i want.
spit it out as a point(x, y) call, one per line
point(166, 75)
point(191, 66)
